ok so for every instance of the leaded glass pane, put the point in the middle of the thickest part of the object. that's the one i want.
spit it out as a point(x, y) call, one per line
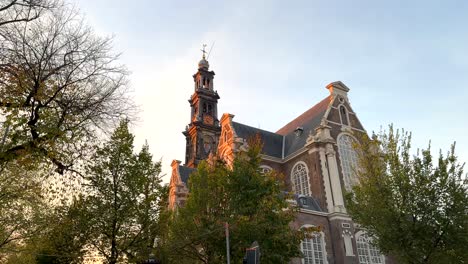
point(313, 250)
point(367, 252)
point(348, 157)
point(301, 179)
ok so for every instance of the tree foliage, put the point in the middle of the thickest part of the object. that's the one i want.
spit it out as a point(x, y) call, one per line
point(414, 206)
point(60, 238)
point(21, 206)
point(250, 202)
point(123, 195)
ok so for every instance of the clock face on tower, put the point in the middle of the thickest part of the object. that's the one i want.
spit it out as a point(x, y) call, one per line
point(208, 119)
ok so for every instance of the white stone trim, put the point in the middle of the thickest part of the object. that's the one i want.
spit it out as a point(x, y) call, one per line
point(313, 212)
point(262, 167)
point(353, 128)
point(339, 216)
point(326, 181)
point(334, 179)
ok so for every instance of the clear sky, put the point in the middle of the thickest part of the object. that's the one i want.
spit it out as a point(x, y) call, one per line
point(406, 63)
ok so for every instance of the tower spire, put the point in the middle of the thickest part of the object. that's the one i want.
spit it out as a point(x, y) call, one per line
point(204, 51)
point(203, 131)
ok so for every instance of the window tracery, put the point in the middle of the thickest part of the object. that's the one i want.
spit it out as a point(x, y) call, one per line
point(348, 158)
point(367, 252)
point(313, 248)
point(300, 179)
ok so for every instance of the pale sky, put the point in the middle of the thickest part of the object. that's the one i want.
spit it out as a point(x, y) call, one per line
point(406, 63)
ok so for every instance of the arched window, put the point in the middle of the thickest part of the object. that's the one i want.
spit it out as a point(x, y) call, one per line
point(265, 169)
point(313, 249)
point(348, 157)
point(344, 115)
point(367, 252)
point(209, 109)
point(300, 179)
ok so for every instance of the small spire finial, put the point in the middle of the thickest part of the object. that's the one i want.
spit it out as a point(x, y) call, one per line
point(203, 50)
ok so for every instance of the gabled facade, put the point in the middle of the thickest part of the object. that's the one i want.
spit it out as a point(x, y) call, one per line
point(314, 151)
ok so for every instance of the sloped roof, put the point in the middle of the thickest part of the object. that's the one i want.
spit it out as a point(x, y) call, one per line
point(272, 143)
point(185, 173)
point(308, 121)
point(317, 111)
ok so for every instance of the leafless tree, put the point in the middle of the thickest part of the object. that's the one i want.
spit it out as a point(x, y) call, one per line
point(12, 11)
point(59, 85)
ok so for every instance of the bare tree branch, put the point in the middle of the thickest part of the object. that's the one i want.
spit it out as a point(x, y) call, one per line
point(59, 85)
point(17, 11)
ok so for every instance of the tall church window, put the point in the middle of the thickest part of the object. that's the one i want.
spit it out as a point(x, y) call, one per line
point(300, 179)
point(344, 115)
point(313, 249)
point(367, 252)
point(348, 157)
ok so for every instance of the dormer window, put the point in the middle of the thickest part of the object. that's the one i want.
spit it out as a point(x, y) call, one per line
point(298, 131)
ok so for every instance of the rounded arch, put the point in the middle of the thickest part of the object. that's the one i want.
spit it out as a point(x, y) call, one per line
point(348, 159)
point(368, 253)
point(344, 114)
point(313, 247)
point(300, 178)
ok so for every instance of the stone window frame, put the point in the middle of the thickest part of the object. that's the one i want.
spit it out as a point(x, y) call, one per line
point(314, 246)
point(342, 106)
point(347, 155)
point(367, 253)
point(307, 180)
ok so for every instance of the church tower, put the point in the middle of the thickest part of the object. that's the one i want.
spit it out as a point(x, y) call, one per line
point(202, 133)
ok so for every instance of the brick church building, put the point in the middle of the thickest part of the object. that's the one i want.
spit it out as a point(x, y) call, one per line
point(314, 151)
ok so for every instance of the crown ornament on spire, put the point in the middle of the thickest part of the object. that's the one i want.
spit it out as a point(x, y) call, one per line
point(203, 64)
point(204, 51)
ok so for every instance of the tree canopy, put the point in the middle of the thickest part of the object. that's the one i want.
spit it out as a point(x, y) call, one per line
point(414, 206)
point(242, 196)
point(123, 193)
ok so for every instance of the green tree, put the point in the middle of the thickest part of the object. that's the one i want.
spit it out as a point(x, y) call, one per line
point(63, 240)
point(21, 205)
point(250, 202)
point(123, 194)
point(414, 207)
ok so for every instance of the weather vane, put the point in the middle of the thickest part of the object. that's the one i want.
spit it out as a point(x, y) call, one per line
point(203, 50)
